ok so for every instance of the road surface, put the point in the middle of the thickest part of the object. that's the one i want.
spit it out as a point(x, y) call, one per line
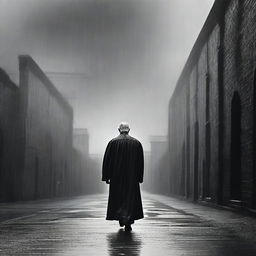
point(77, 226)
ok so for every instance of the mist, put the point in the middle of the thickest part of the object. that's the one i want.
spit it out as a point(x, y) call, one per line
point(113, 60)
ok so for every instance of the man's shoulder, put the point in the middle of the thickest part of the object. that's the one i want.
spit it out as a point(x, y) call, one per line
point(127, 138)
point(133, 139)
point(114, 140)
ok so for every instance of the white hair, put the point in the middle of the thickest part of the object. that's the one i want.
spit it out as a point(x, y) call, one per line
point(124, 127)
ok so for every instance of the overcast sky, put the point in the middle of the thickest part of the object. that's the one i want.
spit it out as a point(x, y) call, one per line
point(115, 60)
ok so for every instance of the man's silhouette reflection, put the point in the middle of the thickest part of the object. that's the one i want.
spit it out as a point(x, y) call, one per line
point(123, 165)
point(124, 243)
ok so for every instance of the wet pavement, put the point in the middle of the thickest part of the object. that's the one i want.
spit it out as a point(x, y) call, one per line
point(77, 226)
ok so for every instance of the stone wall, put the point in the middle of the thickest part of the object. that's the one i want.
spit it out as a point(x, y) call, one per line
point(216, 87)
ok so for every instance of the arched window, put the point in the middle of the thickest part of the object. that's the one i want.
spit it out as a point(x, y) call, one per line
point(235, 148)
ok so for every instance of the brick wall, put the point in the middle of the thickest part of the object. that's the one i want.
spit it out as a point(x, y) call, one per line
point(221, 65)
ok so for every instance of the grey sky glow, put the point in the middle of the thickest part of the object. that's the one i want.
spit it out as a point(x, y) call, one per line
point(115, 60)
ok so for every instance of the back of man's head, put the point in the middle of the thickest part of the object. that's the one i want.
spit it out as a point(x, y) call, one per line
point(124, 127)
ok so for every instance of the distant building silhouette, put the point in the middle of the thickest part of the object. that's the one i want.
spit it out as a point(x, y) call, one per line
point(37, 158)
point(157, 170)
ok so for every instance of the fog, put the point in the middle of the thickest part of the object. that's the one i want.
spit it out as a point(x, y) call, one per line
point(114, 60)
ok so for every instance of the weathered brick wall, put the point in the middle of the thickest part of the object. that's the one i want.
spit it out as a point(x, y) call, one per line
point(248, 53)
point(213, 46)
point(202, 76)
point(230, 85)
point(202, 73)
point(239, 75)
point(48, 122)
point(177, 144)
point(193, 127)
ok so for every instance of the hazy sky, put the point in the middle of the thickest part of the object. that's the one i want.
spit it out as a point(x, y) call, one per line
point(115, 60)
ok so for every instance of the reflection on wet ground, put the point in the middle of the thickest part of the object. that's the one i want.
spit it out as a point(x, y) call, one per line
point(124, 243)
point(78, 227)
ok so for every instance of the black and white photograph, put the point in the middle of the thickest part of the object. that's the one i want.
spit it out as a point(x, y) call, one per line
point(128, 127)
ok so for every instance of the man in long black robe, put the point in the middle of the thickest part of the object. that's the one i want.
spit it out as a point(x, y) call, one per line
point(123, 166)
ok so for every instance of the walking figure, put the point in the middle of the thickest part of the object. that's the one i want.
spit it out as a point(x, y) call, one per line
point(123, 167)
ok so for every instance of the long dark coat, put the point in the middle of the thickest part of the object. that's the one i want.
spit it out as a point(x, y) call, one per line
point(123, 165)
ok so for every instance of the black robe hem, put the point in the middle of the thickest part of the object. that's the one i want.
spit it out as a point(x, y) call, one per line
point(137, 218)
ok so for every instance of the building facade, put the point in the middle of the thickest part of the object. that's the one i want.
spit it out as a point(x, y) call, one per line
point(48, 126)
point(212, 113)
point(38, 158)
point(10, 139)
